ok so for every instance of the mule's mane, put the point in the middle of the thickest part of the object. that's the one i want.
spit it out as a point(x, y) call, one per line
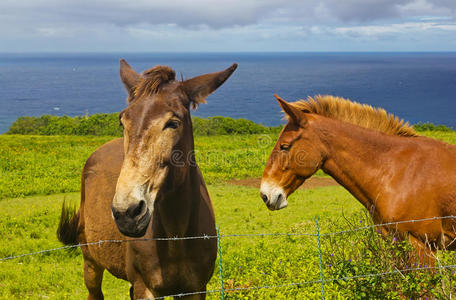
point(355, 113)
point(153, 80)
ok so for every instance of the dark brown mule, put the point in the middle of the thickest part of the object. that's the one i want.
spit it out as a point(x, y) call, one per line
point(396, 174)
point(150, 184)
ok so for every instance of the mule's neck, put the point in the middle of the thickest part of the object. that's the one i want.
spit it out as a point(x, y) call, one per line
point(357, 158)
point(176, 208)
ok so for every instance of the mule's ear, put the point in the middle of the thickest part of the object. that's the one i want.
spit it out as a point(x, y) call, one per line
point(294, 115)
point(128, 76)
point(198, 88)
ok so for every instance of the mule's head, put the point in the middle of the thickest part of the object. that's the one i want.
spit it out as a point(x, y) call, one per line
point(158, 139)
point(296, 156)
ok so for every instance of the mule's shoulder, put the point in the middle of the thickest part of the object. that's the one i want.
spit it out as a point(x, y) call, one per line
point(435, 144)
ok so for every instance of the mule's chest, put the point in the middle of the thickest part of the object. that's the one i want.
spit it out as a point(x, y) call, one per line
point(187, 270)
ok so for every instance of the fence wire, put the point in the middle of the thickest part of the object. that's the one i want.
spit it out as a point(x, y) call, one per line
point(203, 237)
point(292, 284)
point(224, 236)
point(387, 224)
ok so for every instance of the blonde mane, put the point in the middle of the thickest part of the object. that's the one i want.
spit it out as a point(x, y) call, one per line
point(355, 113)
point(153, 80)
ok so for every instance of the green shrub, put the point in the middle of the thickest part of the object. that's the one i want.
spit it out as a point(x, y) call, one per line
point(225, 125)
point(430, 127)
point(98, 124)
point(108, 125)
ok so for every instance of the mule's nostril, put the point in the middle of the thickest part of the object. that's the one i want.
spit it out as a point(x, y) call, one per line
point(279, 198)
point(135, 210)
point(115, 213)
point(264, 197)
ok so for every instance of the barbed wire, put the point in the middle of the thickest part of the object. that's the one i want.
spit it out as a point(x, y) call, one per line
point(292, 284)
point(386, 224)
point(100, 242)
point(256, 235)
point(267, 234)
point(189, 294)
point(104, 242)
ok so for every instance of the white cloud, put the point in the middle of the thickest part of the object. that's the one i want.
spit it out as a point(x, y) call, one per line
point(116, 24)
point(403, 28)
point(426, 8)
point(215, 14)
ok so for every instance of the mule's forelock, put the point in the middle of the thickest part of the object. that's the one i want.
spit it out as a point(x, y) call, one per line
point(152, 81)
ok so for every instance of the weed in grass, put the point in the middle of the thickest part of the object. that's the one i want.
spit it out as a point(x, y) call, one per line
point(356, 254)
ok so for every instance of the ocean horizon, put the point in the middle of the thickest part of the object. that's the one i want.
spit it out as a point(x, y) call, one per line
point(415, 86)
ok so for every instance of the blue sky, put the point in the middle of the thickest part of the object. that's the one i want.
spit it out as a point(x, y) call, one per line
point(226, 26)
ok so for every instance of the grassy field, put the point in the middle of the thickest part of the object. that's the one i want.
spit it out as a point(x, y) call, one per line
point(43, 165)
point(29, 224)
point(32, 165)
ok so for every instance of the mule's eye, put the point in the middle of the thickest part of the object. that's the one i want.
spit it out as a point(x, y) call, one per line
point(285, 147)
point(173, 124)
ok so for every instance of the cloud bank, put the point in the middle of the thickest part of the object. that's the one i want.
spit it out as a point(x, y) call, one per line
point(72, 24)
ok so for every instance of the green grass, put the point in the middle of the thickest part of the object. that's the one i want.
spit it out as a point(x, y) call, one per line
point(41, 165)
point(29, 224)
point(446, 136)
point(31, 165)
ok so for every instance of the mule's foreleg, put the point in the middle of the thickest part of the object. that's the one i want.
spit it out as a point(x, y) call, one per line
point(140, 291)
point(93, 276)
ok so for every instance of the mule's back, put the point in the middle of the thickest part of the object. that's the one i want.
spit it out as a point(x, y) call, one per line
point(99, 178)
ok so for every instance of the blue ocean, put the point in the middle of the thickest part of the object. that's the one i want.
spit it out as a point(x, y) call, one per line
point(418, 87)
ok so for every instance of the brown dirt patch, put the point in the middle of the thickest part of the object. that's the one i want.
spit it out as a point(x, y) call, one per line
point(310, 183)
